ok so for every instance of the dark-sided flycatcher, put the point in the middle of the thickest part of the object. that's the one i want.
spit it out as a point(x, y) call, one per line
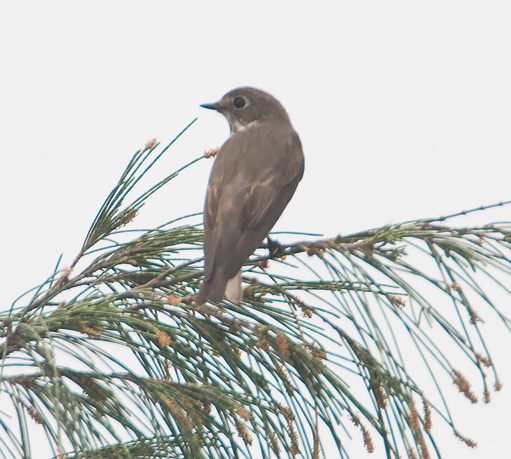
point(255, 174)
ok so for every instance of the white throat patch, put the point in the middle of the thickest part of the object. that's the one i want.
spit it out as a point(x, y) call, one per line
point(240, 127)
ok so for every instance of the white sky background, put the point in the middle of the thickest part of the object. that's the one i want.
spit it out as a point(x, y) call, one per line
point(403, 108)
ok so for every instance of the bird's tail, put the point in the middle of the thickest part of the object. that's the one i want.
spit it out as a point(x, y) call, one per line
point(214, 289)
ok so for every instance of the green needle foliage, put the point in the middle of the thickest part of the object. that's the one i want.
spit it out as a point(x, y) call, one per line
point(111, 357)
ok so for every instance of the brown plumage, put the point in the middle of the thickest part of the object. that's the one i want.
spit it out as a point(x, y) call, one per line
point(255, 174)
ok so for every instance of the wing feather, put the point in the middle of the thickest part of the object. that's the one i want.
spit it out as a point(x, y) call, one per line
point(254, 176)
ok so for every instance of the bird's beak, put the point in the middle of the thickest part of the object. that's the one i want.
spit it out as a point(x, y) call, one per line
point(215, 106)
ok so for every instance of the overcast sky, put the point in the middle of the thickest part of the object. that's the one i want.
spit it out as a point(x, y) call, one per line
point(403, 108)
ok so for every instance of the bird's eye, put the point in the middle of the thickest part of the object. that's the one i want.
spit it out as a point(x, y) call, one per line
point(239, 102)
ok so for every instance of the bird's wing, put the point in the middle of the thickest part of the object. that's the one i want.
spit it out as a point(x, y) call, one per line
point(254, 177)
point(249, 173)
point(211, 205)
point(266, 197)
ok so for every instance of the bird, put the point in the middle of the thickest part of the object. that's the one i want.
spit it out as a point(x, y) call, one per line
point(255, 174)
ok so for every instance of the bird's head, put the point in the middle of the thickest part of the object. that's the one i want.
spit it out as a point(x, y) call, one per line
point(245, 107)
